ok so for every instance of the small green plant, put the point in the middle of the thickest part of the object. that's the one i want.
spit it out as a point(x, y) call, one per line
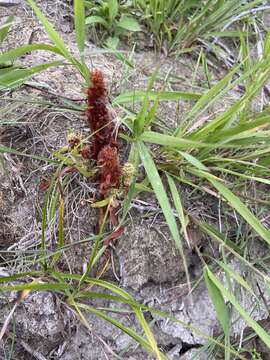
point(113, 18)
point(177, 25)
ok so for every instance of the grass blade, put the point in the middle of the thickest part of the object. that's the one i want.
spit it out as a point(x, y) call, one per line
point(148, 333)
point(163, 200)
point(135, 96)
point(238, 205)
point(18, 76)
point(178, 206)
point(79, 12)
point(11, 55)
point(139, 339)
point(218, 302)
point(5, 28)
point(252, 323)
point(52, 33)
point(160, 192)
point(5, 149)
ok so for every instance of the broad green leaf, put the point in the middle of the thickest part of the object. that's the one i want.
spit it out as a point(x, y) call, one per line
point(218, 301)
point(91, 20)
point(112, 42)
point(113, 9)
point(128, 23)
point(252, 323)
point(79, 14)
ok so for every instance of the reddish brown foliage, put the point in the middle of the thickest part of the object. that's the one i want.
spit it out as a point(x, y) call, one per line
point(110, 170)
point(98, 114)
point(104, 148)
point(86, 152)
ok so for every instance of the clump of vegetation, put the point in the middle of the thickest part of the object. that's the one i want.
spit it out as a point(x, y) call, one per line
point(221, 156)
point(176, 25)
point(113, 18)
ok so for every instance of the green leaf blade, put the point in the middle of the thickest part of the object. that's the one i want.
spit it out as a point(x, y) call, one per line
point(79, 12)
point(218, 302)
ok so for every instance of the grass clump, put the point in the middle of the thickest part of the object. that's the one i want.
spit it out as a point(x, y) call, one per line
point(222, 156)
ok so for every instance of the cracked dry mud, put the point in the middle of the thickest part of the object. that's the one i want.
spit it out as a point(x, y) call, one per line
point(146, 260)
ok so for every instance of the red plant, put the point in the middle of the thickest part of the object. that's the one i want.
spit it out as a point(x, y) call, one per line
point(98, 114)
point(104, 148)
point(110, 170)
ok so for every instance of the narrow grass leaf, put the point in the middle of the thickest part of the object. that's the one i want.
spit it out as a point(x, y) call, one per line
point(59, 43)
point(79, 13)
point(194, 161)
point(6, 149)
point(163, 200)
point(138, 338)
point(160, 192)
point(178, 206)
point(5, 28)
point(11, 55)
point(61, 233)
point(252, 323)
point(17, 276)
point(172, 141)
point(238, 205)
point(207, 99)
point(18, 76)
point(137, 96)
point(233, 274)
point(140, 120)
point(148, 332)
point(218, 302)
point(129, 300)
point(36, 287)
